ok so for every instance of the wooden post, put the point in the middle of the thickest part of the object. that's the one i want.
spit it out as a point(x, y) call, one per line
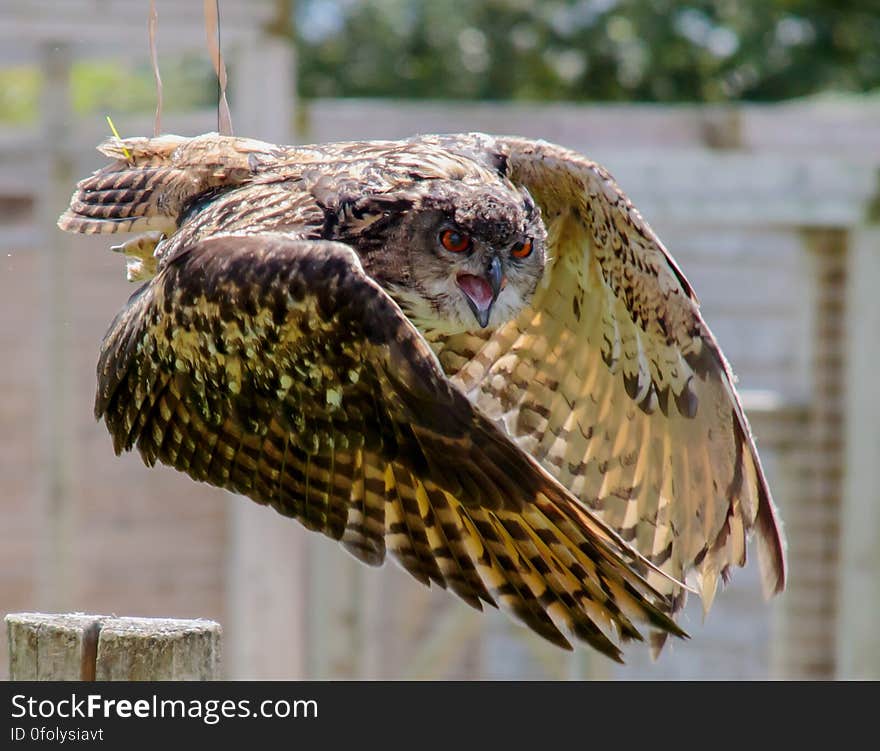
point(268, 558)
point(72, 647)
point(858, 634)
point(55, 571)
point(807, 611)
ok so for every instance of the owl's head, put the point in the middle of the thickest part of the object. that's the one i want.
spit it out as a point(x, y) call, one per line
point(457, 255)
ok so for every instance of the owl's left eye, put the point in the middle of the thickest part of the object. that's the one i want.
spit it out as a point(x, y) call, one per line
point(522, 250)
point(455, 241)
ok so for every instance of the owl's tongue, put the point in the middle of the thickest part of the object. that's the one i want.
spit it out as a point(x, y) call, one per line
point(477, 289)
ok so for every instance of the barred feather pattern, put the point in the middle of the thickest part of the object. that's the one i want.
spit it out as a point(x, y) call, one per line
point(573, 465)
point(258, 364)
point(613, 381)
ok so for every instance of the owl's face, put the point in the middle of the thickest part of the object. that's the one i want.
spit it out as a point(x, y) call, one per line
point(465, 257)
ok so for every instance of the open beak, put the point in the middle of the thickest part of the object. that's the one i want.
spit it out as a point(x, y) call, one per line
point(482, 291)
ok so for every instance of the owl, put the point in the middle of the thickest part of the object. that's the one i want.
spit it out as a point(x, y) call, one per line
point(470, 352)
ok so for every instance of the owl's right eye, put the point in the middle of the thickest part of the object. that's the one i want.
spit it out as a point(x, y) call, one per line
point(522, 250)
point(455, 241)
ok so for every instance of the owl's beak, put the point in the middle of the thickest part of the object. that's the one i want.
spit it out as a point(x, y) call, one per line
point(482, 291)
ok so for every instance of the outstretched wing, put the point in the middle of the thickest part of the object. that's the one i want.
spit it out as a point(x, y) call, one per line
point(276, 368)
point(151, 180)
point(612, 380)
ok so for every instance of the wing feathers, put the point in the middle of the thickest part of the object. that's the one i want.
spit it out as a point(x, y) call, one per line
point(334, 411)
point(612, 380)
point(277, 369)
point(150, 181)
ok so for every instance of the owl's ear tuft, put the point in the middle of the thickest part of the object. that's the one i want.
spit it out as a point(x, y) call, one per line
point(331, 194)
point(382, 205)
point(499, 161)
point(347, 213)
point(345, 199)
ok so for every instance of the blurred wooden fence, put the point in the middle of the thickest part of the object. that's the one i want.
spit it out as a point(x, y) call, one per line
point(771, 211)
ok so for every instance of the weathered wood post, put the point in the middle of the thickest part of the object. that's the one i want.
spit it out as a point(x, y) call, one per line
point(78, 647)
point(55, 572)
point(858, 635)
point(268, 561)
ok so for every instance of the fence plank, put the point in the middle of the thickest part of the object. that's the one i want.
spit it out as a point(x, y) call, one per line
point(858, 636)
point(268, 563)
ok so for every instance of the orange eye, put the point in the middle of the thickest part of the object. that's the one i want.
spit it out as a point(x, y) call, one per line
point(522, 250)
point(455, 242)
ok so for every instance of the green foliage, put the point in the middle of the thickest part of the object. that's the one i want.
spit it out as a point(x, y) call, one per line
point(19, 92)
point(108, 87)
point(105, 87)
point(609, 50)
point(577, 50)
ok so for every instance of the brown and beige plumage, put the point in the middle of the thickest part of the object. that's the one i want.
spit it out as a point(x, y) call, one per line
point(573, 453)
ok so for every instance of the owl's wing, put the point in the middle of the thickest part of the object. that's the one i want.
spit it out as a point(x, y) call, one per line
point(277, 369)
point(612, 380)
point(151, 180)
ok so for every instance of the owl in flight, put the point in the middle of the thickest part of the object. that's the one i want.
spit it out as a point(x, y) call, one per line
point(468, 351)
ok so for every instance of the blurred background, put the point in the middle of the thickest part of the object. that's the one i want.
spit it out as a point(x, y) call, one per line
point(748, 134)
